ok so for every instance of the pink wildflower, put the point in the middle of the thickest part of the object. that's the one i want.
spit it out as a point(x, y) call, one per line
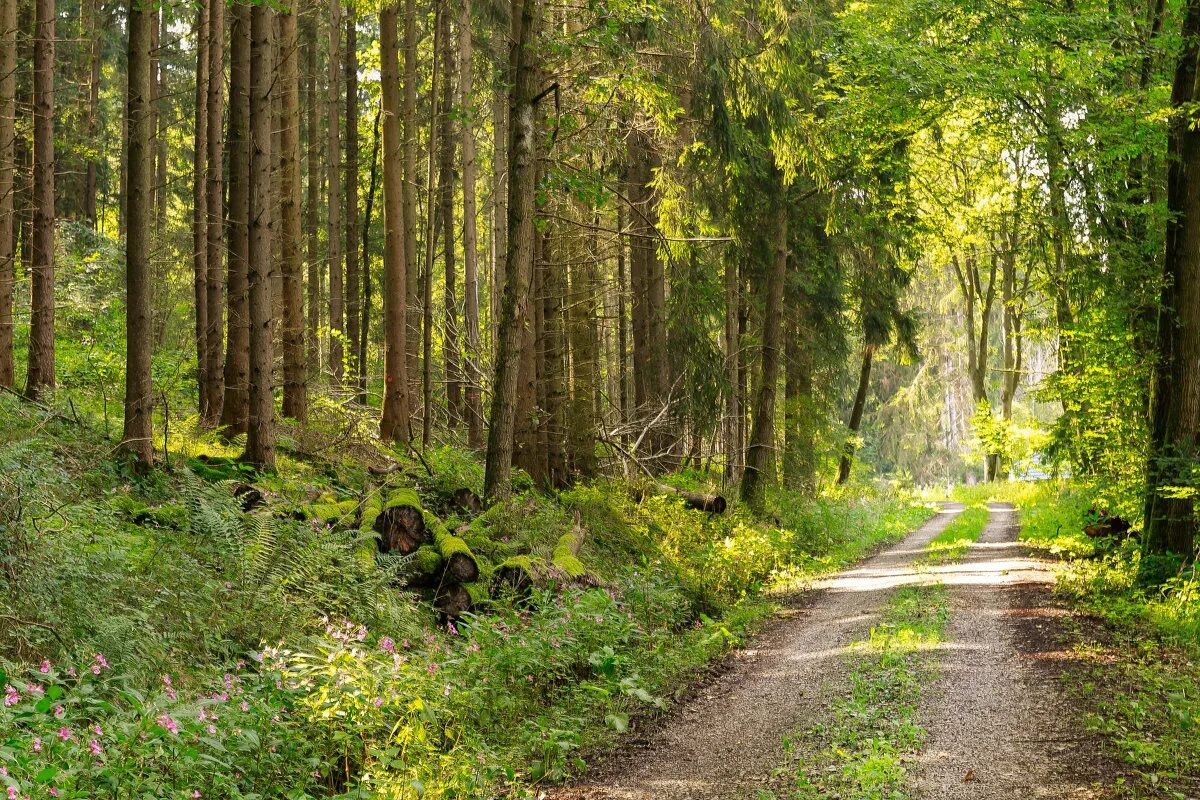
point(11, 696)
point(165, 721)
point(12, 793)
point(59, 712)
point(71, 671)
point(52, 791)
point(45, 667)
point(387, 645)
point(37, 744)
point(35, 689)
point(94, 746)
point(64, 733)
point(245, 706)
point(96, 729)
point(211, 729)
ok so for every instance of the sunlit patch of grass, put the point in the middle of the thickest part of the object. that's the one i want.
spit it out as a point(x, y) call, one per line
point(861, 755)
point(953, 542)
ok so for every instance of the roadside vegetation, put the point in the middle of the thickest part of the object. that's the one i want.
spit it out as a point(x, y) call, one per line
point(183, 645)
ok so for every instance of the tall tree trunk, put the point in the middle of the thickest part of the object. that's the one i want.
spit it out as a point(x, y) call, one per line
point(1175, 403)
point(40, 376)
point(761, 453)
point(554, 361)
point(450, 345)
point(199, 202)
point(585, 366)
point(235, 409)
point(158, 91)
point(311, 212)
point(473, 376)
point(500, 145)
point(799, 456)
point(409, 193)
point(856, 413)
point(91, 182)
point(295, 398)
point(622, 325)
point(353, 296)
point(522, 190)
point(394, 424)
point(431, 232)
point(215, 204)
point(334, 195)
point(733, 409)
point(139, 405)
point(260, 435)
point(8, 217)
point(364, 332)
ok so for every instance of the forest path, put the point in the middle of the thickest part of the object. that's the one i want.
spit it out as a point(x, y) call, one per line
point(998, 725)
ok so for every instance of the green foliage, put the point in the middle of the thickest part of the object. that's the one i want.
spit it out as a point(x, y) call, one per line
point(953, 542)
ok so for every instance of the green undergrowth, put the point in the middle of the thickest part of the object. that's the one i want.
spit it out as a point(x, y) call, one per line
point(861, 753)
point(1138, 645)
point(953, 542)
point(157, 641)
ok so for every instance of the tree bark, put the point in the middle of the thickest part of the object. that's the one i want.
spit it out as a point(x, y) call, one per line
point(215, 205)
point(394, 424)
point(500, 144)
point(235, 409)
point(1175, 402)
point(409, 192)
point(518, 260)
point(8, 217)
point(334, 230)
point(295, 398)
point(40, 376)
point(856, 413)
point(733, 410)
point(473, 376)
point(137, 435)
point(353, 296)
point(364, 332)
point(311, 213)
point(585, 366)
point(91, 182)
point(260, 435)
point(199, 208)
point(431, 232)
point(554, 363)
point(799, 457)
point(450, 345)
point(760, 454)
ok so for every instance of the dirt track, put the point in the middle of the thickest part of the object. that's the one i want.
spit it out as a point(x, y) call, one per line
point(998, 723)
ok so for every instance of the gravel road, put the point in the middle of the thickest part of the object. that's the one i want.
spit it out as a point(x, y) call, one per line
point(998, 725)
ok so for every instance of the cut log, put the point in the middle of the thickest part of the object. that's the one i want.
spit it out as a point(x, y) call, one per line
point(250, 497)
point(452, 599)
point(566, 553)
point(712, 503)
point(425, 569)
point(401, 523)
point(460, 561)
point(514, 575)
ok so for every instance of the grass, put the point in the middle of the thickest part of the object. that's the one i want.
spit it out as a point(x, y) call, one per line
point(953, 542)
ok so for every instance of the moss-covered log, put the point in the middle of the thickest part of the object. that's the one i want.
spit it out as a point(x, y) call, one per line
point(518, 574)
point(452, 600)
point(566, 554)
point(401, 523)
point(426, 567)
point(712, 503)
point(460, 561)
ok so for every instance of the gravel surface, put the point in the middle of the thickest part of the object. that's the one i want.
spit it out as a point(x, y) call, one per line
point(999, 725)
point(725, 742)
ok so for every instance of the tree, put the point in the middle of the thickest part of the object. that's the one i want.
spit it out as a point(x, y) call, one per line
point(333, 166)
point(295, 394)
point(139, 402)
point(446, 143)
point(472, 375)
point(1175, 399)
point(408, 115)
point(353, 293)
point(40, 374)
point(760, 453)
point(199, 201)
point(214, 176)
point(518, 261)
point(260, 434)
point(394, 424)
point(8, 118)
point(311, 211)
point(235, 408)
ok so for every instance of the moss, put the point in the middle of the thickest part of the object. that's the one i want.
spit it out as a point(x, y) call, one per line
point(398, 498)
point(450, 545)
point(479, 594)
point(523, 564)
point(333, 510)
point(372, 506)
point(565, 558)
point(427, 560)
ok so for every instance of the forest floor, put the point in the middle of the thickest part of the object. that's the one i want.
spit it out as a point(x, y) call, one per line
point(933, 670)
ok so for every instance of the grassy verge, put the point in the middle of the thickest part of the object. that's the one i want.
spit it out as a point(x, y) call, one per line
point(953, 542)
point(1138, 646)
